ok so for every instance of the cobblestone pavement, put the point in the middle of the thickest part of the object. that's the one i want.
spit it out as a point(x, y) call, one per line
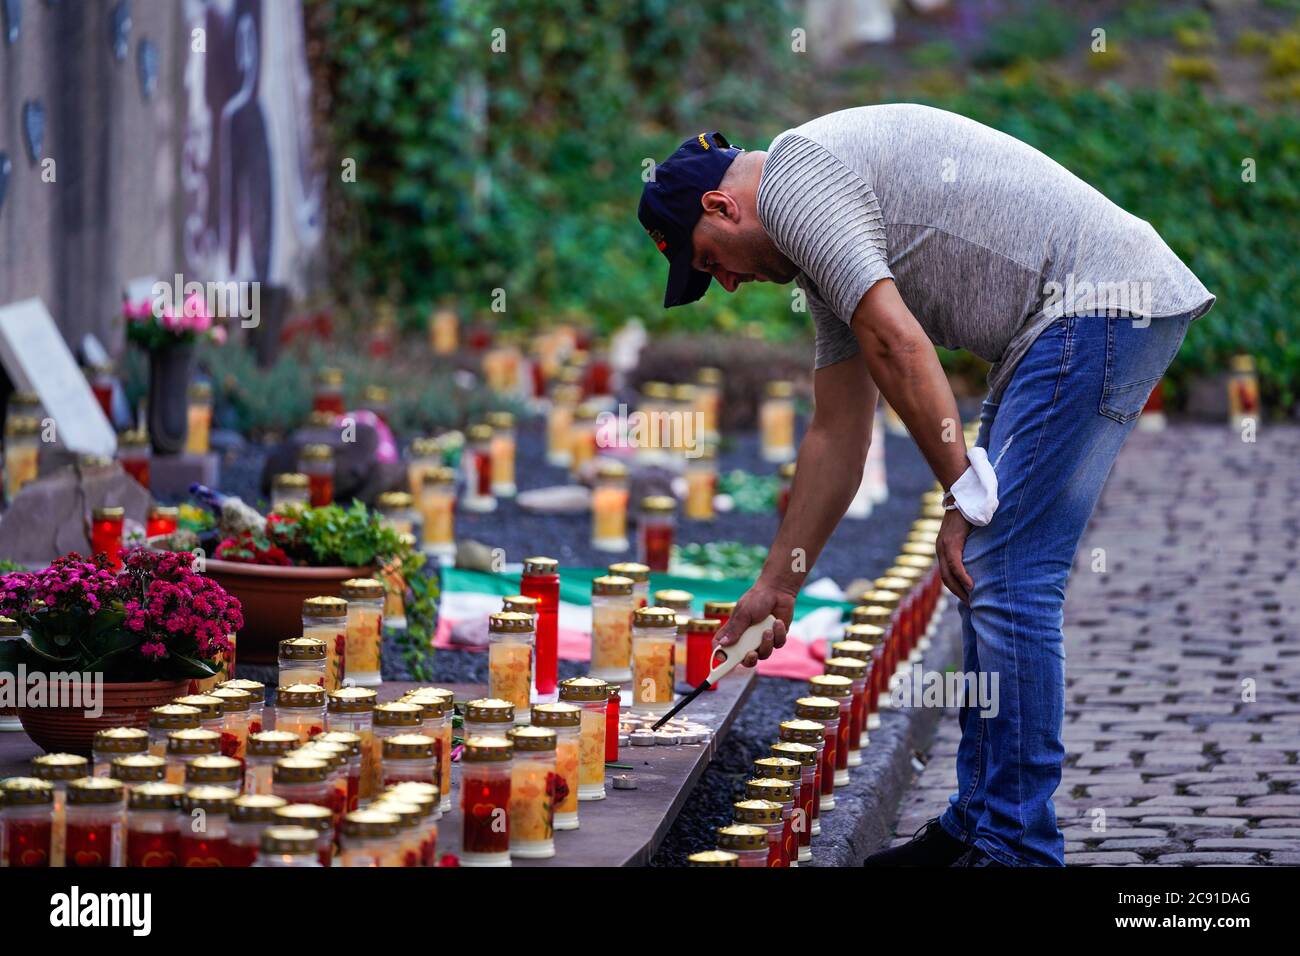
point(1182, 661)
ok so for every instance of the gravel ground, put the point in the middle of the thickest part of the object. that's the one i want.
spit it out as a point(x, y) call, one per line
point(859, 548)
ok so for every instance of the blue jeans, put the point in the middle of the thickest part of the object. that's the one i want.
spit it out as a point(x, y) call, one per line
point(1052, 436)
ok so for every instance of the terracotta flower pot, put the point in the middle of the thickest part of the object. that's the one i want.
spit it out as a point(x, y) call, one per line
point(272, 597)
point(70, 730)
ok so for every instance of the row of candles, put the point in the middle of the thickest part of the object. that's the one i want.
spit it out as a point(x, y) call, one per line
point(795, 784)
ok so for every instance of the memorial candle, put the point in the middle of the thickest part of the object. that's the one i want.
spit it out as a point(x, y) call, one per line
point(654, 645)
point(205, 837)
point(113, 742)
point(502, 450)
point(21, 454)
point(153, 822)
point(485, 801)
point(106, 533)
point(611, 628)
point(534, 784)
point(316, 461)
point(26, 822)
point(96, 822)
point(708, 400)
point(290, 491)
point(328, 397)
point(824, 711)
point(656, 531)
point(766, 815)
point(566, 720)
point(162, 520)
point(250, 816)
point(325, 618)
point(748, 842)
point(812, 733)
point(640, 575)
point(807, 800)
point(776, 422)
point(264, 749)
point(839, 689)
point(593, 696)
point(511, 664)
point(438, 511)
point(133, 454)
point(319, 819)
point(541, 580)
point(365, 630)
point(478, 470)
point(609, 507)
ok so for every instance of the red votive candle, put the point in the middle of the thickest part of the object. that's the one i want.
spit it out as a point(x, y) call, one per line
point(826, 712)
point(541, 580)
point(106, 533)
point(656, 531)
point(162, 520)
point(700, 633)
point(27, 816)
point(211, 845)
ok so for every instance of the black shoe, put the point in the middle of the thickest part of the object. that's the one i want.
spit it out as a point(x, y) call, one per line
point(930, 846)
point(977, 857)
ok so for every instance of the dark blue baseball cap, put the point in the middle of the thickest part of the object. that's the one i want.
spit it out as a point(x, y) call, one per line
point(670, 208)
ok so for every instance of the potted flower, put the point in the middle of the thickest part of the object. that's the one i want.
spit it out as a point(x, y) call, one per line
point(129, 640)
point(168, 335)
point(274, 564)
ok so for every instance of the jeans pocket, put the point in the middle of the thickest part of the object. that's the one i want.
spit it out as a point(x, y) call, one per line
point(1137, 356)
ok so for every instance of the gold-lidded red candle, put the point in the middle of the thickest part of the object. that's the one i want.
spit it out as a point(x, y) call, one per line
point(566, 720)
point(319, 819)
point(612, 605)
point(840, 689)
point(748, 842)
point(236, 718)
point(210, 844)
point(765, 814)
point(96, 822)
point(784, 770)
point(316, 461)
point(656, 531)
point(813, 733)
point(806, 805)
point(541, 580)
point(153, 823)
point(883, 663)
point(250, 816)
point(27, 819)
point(863, 642)
point(485, 801)
point(592, 695)
point(824, 711)
point(855, 671)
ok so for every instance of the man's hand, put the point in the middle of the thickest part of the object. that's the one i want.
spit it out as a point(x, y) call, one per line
point(948, 548)
point(757, 603)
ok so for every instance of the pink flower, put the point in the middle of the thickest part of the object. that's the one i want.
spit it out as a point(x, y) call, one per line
point(218, 334)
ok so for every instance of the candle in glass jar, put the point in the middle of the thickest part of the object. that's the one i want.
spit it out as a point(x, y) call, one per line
point(409, 757)
point(288, 847)
point(302, 660)
point(425, 798)
point(133, 454)
point(59, 769)
point(609, 507)
point(854, 671)
point(353, 747)
point(319, 819)
point(708, 400)
point(478, 470)
point(611, 628)
point(510, 659)
point(534, 783)
point(102, 382)
point(502, 450)
point(748, 842)
point(437, 706)
point(592, 695)
point(10, 630)
point(566, 720)
point(582, 437)
point(162, 520)
point(444, 330)
point(198, 415)
point(325, 618)
point(825, 711)
point(776, 422)
point(396, 510)
point(713, 858)
point(21, 453)
point(700, 633)
point(139, 768)
point(405, 850)
point(766, 815)
point(390, 719)
point(613, 706)
point(656, 530)
point(351, 710)
point(96, 822)
point(316, 461)
point(264, 748)
point(806, 798)
point(365, 630)
point(204, 838)
point(541, 580)
point(328, 397)
point(719, 611)
point(106, 533)
point(300, 709)
point(366, 839)
point(813, 734)
point(485, 801)
point(215, 769)
point(654, 644)
point(559, 422)
point(839, 689)
point(290, 492)
point(153, 823)
point(701, 482)
point(438, 511)
point(860, 644)
point(26, 822)
point(166, 718)
point(640, 575)
point(488, 717)
point(236, 719)
point(787, 771)
point(250, 817)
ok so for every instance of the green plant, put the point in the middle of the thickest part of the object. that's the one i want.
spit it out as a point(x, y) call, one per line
point(1038, 33)
point(422, 594)
point(752, 494)
point(1197, 69)
point(717, 560)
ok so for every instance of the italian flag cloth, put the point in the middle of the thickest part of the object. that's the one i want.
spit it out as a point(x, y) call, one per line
point(470, 596)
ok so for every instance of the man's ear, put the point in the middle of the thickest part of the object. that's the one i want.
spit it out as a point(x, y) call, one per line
point(718, 202)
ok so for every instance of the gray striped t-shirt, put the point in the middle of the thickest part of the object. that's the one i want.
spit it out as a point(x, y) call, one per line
point(988, 240)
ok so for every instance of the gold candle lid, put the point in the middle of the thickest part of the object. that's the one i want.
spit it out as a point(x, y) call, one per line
point(522, 603)
point(640, 573)
point(612, 585)
point(256, 689)
point(210, 798)
point(95, 790)
point(257, 808)
point(659, 504)
point(719, 608)
point(369, 824)
point(120, 740)
point(26, 792)
point(155, 795)
point(584, 689)
point(557, 715)
point(918, 550)
point(233, 700)
point(352, 700)
point(308, 815)
point(325, 605)
point(344, 738)
point(802, 731)
point(510, 622)
point(713, 858)
point(394, 501)
point(708, 375)
point(869, 623)
point(409, 747)
point(822, 709)
point(288, 841)
point(780, 389)
point(318, 451)
point(540, 565)
point(917, 562)
point(742, 836)
point(675, 598)
point(138, 768)
point(805, 753)
point(770, 788)
point(361, 589)
point(533, 739)
point(196, 740)
point(433, 706)
point(487, 749)
point(300, 770)
point(290, 481)
point(851, 668)
point(174, 717)
point(306, 696)
point(757, 811)
point(830, 685)
point(271, 743)
point(209, 706)
point(857, 650)
point(214, 768)
point(408, 814)
point(777, 768)
point(703, 625)
point(654, 617)
point(891, 582)
point(398, 714)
